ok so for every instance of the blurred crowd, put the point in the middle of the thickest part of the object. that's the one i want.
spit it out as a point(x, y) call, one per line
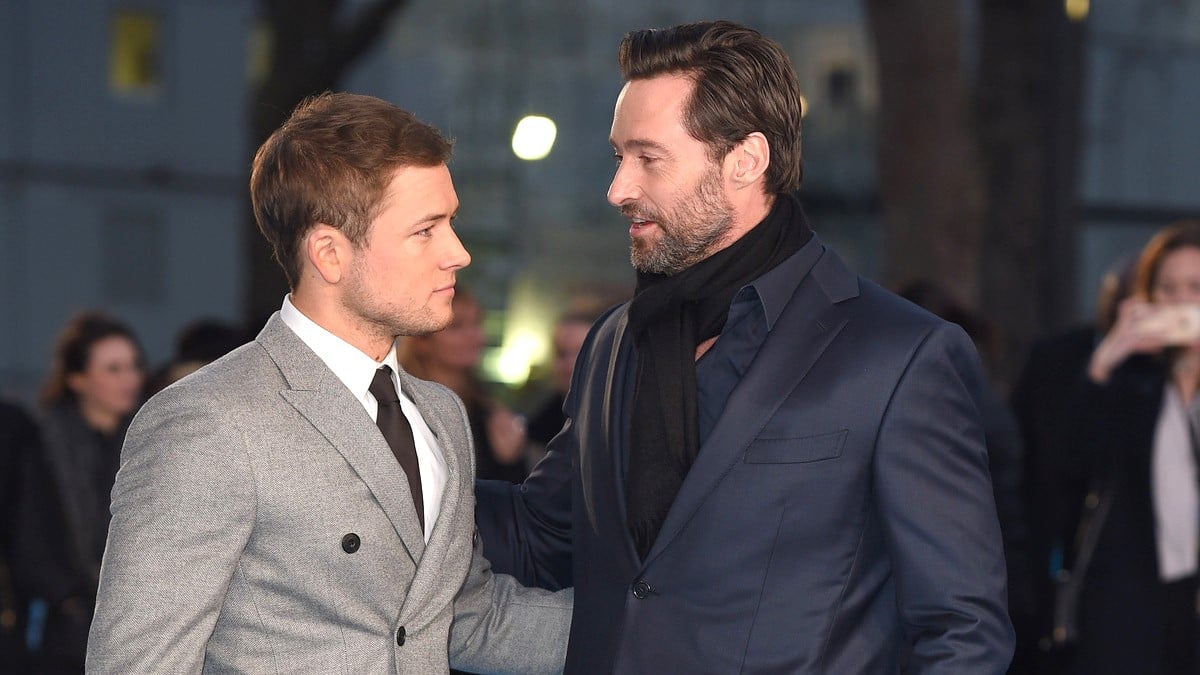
point(59, 463)
point(1093, 455)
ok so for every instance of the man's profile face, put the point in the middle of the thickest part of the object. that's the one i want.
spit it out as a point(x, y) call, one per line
point(666, 184)
point(401, 281)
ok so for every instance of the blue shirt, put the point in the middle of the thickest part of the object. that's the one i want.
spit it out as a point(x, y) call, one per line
point(752, 314)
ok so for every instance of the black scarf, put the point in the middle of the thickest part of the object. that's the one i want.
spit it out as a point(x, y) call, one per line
point(669, 317)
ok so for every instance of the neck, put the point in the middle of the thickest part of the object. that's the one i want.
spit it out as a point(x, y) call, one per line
point(101, 420)
point(331, 315)
point(748, 212)
point(757, 208)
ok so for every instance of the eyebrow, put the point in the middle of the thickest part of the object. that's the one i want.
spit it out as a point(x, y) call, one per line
point(641, 144)
point(435, 217)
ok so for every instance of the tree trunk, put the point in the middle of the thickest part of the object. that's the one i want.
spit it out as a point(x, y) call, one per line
point(1028, 112)
point(929, 178)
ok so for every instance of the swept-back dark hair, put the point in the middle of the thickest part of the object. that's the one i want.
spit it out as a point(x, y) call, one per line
point(744, 82)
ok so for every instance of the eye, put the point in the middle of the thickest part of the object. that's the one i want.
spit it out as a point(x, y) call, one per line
point(617, 158)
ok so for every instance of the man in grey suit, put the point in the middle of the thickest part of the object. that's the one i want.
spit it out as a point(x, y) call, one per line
point(303, 503)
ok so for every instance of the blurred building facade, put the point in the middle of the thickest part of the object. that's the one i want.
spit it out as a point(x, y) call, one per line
point(123, 158)
point(121, 169)
point(1140, 151)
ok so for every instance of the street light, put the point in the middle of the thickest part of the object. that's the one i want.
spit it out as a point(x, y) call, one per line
point(534, 137)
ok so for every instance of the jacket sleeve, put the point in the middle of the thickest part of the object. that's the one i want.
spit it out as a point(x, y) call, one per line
point(501, 626)
point(526, 528)
point(183, 509)
point(935, 503)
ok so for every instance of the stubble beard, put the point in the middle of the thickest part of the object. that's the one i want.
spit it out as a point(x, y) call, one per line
point(687, 235)
point(383, 318)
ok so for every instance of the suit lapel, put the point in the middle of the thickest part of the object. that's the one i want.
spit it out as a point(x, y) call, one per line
point(804, 330)
point(321, 398)
point(620, 367)
point(454, 448)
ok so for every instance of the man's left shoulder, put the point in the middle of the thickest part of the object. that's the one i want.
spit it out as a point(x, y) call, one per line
point(890, 314)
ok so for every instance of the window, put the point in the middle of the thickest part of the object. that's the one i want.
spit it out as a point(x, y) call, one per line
point(135, 54)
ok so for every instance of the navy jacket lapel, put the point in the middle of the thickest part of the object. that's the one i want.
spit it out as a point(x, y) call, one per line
point(806, 328)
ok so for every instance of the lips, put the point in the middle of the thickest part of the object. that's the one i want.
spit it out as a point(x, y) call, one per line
point(639, 223)
point(637, 227)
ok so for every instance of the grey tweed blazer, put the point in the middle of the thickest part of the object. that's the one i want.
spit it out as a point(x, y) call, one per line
point(230, 548)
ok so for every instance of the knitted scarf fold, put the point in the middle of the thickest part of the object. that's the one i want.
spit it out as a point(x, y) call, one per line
point(669, 317)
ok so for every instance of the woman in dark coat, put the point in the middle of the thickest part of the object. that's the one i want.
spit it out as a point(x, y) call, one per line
point(87, 402)
point(1129, 584)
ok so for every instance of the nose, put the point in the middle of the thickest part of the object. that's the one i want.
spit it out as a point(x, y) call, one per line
point(622, 189)
point(457, 256)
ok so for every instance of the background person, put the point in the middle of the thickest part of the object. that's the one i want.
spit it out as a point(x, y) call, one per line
point(1127, 596)
point(570, 331)
point(1050, 395)
point(87, 401)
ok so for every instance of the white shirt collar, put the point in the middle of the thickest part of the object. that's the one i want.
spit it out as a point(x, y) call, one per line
point(352, 366)
point(356, 370)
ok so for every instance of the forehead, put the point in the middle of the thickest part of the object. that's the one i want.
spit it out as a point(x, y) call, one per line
point(651, 110)
point(1183, 260)
point(111, 347)
point(428, 187)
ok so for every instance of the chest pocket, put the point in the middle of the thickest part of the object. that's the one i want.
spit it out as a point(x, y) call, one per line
point(796, 450)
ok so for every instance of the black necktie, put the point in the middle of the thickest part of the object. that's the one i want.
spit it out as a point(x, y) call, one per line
point(399, 434)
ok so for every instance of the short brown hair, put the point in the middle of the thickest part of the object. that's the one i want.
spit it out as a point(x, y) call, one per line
point(331, 162)
point(1177, 235)
point(744, 82)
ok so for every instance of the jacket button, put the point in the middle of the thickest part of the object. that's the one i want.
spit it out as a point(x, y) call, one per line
point(400, 636)
point(350, 543)
point(641, 589)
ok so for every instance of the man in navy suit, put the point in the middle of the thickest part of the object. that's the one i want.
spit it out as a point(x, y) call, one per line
point(770, 464)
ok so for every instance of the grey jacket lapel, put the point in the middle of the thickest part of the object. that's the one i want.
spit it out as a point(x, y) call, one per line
point(317, 394)
point(807, 326)
point(457, 450)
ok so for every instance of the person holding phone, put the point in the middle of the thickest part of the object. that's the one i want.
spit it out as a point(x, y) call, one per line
point(1127, 593)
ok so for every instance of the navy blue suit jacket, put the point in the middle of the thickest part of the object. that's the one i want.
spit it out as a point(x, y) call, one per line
point(838, 519)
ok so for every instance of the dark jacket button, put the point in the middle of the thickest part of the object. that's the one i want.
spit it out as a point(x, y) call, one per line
point(350, 543)
point(400, 636)
point(641, 589)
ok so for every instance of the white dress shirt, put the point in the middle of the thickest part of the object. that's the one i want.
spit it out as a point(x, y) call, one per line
point(1173, 489)
point(356, 370)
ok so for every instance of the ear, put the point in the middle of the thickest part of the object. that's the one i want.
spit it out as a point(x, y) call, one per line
point(748, 160)
point(328, 252)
